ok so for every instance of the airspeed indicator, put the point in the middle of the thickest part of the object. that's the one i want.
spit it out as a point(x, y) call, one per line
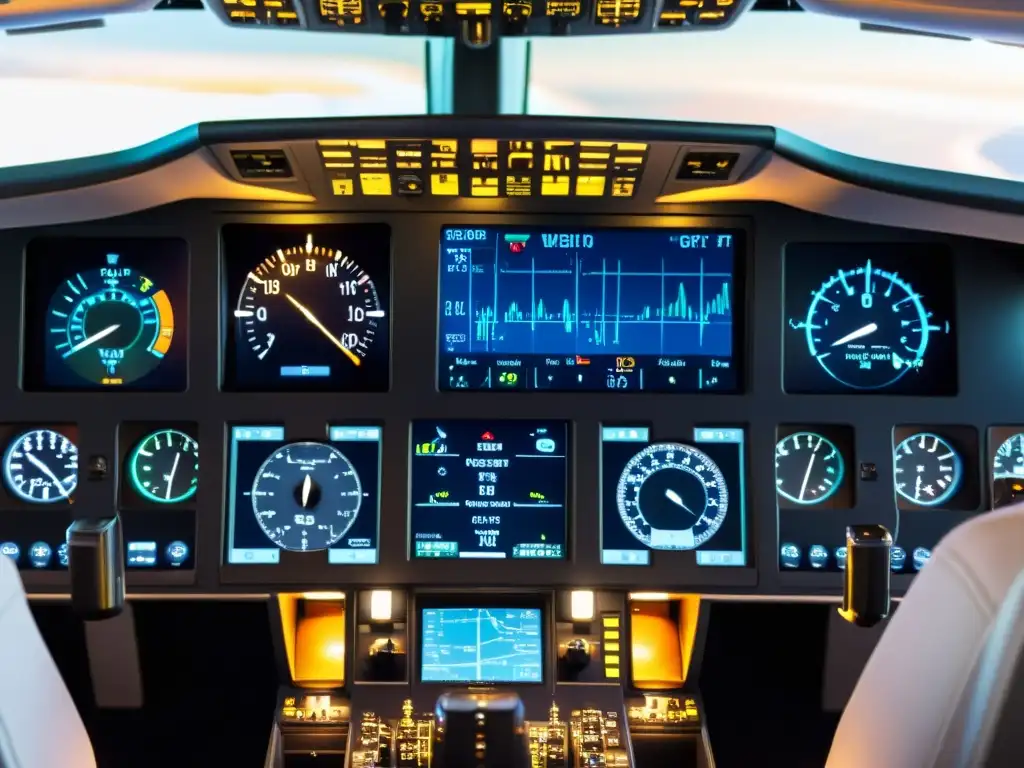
point(308, 317)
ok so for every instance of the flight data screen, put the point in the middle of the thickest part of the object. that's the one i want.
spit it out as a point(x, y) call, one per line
point(482, 645)
point(489, 489)
point(303, 496)
point(588, 310)
point(673, 496)
point(106, 314)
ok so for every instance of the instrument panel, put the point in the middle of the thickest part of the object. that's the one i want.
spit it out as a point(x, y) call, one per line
point(693, 397)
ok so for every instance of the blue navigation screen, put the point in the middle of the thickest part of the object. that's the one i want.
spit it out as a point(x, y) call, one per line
point(588, 310)
point(482, 645)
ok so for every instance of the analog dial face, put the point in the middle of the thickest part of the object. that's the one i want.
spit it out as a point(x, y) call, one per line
point(928, 469)
point(672, 496)
point(164, 467)
point(306, 496)
point(808, 468)
point(308, 316)
point(1008, 471)
point(868, 327)
point(112, 325)
point(41, 467)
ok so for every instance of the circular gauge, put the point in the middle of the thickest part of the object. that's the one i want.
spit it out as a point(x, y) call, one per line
point(164, 467)
point(1008, 471)
point(928, 469)
point(111, 326)
point(306, 496)
point(672, 496)
point(867, 327)
point(307, 312)
point(41, 467)
point(808, 468)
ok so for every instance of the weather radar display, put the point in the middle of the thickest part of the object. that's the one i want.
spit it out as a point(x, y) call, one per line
point(109, 320)
point(482, 645)
point(310, 308)
point(595, 310)
point(869, 318)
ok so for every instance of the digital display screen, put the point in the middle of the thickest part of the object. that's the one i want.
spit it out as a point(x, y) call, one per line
point(106, 314)
point(870, 318)
point(673, 496)
point(589, 310)
point(303, 496)
point(482, 645)
point(40, 478)
point(489, 489)
point(308, 307)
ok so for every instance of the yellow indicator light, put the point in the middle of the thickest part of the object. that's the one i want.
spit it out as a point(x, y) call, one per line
point(378, 184)
point(554, 186)
point(444, 184)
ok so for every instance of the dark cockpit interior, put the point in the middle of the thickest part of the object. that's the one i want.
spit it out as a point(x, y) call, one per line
point(725, 388)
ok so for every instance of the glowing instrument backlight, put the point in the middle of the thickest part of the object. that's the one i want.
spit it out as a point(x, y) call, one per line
point(496, 168)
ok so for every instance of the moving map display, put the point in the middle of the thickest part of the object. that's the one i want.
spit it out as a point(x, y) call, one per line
point(489, 489)
point(603, 309)
point(482, 645)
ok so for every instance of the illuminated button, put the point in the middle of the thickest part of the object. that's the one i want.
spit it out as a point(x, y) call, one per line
point(707, 166)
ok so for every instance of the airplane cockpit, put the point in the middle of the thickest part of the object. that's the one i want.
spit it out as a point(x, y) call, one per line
point(744, 393)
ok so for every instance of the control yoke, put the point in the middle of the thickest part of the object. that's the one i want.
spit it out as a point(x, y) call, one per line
point(866, 597)
point(481, 729)
point(96, 564)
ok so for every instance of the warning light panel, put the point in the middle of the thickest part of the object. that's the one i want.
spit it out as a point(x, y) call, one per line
point(683, 13)
point(483, 168)
point(563, 9)
point(278, 13)
point(344, 13)
point(616, 13)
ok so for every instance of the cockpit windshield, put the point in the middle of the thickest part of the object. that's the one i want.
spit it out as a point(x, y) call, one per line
point(932, 102)
point(952, 105)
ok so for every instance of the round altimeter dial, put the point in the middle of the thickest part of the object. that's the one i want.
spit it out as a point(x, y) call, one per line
point(867, 327)
point(672, 496)
point(808, 468)
point(306, 496)
point(929, 471)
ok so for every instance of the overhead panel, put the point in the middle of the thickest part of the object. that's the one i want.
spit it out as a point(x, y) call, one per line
point(483, 167)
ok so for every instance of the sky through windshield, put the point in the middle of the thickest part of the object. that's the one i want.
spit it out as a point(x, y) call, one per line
point(936, 103)
point(921, 101)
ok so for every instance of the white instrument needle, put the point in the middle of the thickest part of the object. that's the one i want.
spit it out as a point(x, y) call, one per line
point(170, 477)
point(307, 486)
point(91, 340)
point(860, 332)
point(49, 473)
point(676, 499)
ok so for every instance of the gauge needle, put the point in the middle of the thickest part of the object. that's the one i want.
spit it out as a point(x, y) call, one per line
point(869, 328)
point(676, 499)
point(807, 473)
point(320, 327)
point(46, 471)
point(307, 486)
point(91, 340)
point(170, 477)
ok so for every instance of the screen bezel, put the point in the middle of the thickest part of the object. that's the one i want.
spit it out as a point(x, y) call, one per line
point(740, 291)
point(567, 528)
point(486, 599)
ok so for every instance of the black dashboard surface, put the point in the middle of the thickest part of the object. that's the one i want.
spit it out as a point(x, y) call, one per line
point(975, 409)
